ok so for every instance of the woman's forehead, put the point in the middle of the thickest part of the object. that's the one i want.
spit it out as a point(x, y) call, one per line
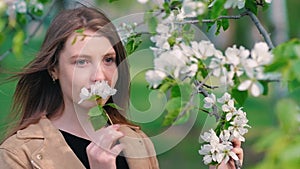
point(89, 42)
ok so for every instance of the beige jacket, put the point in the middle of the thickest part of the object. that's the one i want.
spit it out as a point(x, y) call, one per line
point(42, 146)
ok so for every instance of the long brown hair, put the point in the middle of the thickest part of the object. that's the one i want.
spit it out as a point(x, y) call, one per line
point(36, 94)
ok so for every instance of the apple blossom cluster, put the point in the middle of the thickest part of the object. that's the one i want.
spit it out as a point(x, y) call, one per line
point(125, 31)
point(217, 148)
point(233, 125)
point(238, 3)
point(194, 8)
point(100, 89)
point(181, 61)
point(236, 118)
point(22, 6)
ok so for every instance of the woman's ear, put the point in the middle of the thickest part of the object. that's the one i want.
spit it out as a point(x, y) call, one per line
point(53, 73)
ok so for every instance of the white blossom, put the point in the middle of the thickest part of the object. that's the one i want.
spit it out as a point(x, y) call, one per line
point(268, 1)
point(192, 8)
point(234, 55)
point(225, 98)
point(203, 49)
point(261, 54)
point(101, 89)
point(229, 106)
point(234, 3)
point(172, 62)
point(155, 77)
point(142, 1)
point(217, 148)
point(209, 101)
point(256, 89)
point(217, 64)
point(84, 95)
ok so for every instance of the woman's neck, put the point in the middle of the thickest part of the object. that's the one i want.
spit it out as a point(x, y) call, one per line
point(72, 121)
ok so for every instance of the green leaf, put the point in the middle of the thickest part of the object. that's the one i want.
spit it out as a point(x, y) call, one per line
point(251, 5)
point(98, 121)
point(80, 31)
point(183, 90)
point(21, 18)
point(225, 24)
point(296, 69)
point(166, 85)
point(217, 9)
point(110, 1)
point(202, 69)
point(133, 43)
point(44, 1)
point(209, 25)
point(239, 96)
point(96, 111)
point(277, 64)
point(287, 111)
point(2, 38)
point(166, 8)
point(98, 117)
point(152, 21)
point(74, 40)
point(176, 3)
point(292, 152)
point(182, 119)
point(17, 43)
point(294, 91)
point(36, 11)
point(265, 85)
point(173, 107)
point(286, 60)
point(219, 25)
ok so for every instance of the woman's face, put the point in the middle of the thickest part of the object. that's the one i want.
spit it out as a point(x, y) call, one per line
point(82, 62)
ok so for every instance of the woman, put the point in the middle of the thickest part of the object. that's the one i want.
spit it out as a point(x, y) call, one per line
point(49, 134)
point(81, 47)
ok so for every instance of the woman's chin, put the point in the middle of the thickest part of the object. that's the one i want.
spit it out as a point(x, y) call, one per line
point(87, 104)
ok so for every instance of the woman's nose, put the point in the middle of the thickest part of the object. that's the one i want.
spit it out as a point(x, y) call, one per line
point(98, 74)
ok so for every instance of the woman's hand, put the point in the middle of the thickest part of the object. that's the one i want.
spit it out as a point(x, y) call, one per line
point(238, 151)
point(103, 154)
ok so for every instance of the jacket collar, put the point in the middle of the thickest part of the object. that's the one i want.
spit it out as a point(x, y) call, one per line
point(37, 130)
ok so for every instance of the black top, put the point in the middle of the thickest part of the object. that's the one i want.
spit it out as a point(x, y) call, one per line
point(78, 145)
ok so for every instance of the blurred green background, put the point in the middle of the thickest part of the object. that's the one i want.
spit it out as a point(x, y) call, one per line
point(281, 20)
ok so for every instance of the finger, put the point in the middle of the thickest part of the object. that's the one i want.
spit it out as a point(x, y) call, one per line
point(92, 149)
point(117, 149)
point(108, 137)
point(236, 142)
point(239, 152)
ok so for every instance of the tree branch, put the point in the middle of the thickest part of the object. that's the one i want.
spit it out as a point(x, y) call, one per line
point(29, 37)
point(193, 20)
point(261, 29)
point(253, 17)
point(201, 90)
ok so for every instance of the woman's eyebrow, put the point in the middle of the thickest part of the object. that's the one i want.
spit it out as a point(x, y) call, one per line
point(110, 53)
point(80, 56)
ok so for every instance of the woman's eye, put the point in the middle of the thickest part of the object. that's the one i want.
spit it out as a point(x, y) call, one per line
point(109, 60)
point(81, 62)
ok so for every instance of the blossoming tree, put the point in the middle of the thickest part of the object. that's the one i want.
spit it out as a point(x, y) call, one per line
point(184, 67)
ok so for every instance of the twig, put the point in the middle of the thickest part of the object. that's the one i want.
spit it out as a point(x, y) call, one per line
point(29, 37)
point(253, 17)
point(186, 107)
point(193, 21)
point(261, 29)
point(205, 94)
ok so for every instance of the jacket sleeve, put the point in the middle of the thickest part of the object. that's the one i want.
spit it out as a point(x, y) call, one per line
point(139, 150)
point(10, 160)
